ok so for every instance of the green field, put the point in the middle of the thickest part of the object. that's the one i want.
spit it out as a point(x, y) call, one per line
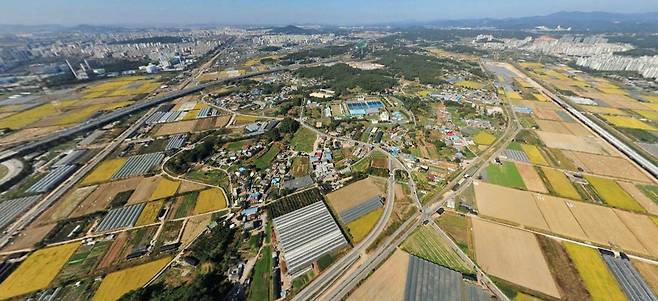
point(265, 160)
point(261, 282)
point(300, 166)
point(505, 174)
point(426, 243)
point(650, 191)
point(303, 140)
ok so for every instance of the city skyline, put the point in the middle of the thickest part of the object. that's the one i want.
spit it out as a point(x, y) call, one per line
point(255, 12)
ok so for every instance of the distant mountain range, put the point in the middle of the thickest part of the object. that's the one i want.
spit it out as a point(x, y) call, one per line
point(578, 21)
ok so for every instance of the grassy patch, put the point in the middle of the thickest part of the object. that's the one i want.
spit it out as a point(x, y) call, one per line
point(187, 205)
point(300, 166)
point(650, 191)
point(505, 174)
point(261, 282)
point(265, 160)
point(303, 140)
point(484, 138)
point(457, 227)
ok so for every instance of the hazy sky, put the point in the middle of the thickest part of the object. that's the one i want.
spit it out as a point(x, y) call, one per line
point(70, 12)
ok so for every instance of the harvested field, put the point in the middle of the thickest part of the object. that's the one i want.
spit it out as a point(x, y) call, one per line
point(640, 197)
point(505, 174)
point(558, 216)
point(165, 189)
point(37, 271)
point(600, 283)
point(104, 171)
point(534, 154)
point(114, 251)
point(29, 237)
point(222, 121)
point(602, 226)
point(553, 126)
point(194, 227)
point(612, 194)
point(615, 167)
point(300, 167)
point(187, 186)
point(643, 227)
point(64, 207)
point(144, 190)
point(204, 124)
point(426, 243)
point(649, 272)
point(210, 200)
point(530, 177)
point(564, 271)
point(387, 282)
point(509, 204)
point(176, 128)
point(29, 134)
point(354, 194)
point(116, 284)
point(572, 142)
point(512, 255)
point(560, 184)
point(149, 213)
point(101, 197)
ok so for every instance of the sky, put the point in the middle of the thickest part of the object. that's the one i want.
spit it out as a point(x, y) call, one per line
point(281, 12)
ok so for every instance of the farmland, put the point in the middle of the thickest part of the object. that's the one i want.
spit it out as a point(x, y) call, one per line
point(360, 227)
point(265, 160)
point(37, 271)
point(104, 171)
point(505, 174)
point(149, 213)
point(260, 288)
point(426, 243)
point(210, 200)
point(484, 138)
point(560, 184)
point(458, 228)
point(294, 201)
point(354, 194)
point(387, 282)
point(165, 189)
point(600, 283)
point(118, 283)
point(563, 270)
point(303, 140)
point(534, 154)
point(300, 166)
point(613, 194)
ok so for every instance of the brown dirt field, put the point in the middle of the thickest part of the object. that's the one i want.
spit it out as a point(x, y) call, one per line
point(549, 114)
point(608, 166)
point(563, 270)
point(66, 205)
point(354, 194)
point(558, 216)
point(204, 124)
point(222, 121)
point(176, 128)
point(571, 142)
point(552, 126)
point(602, 226)
point(379, 163)
point(640, 197)
point(103, 195)
point(113, 251)
point(649, 272)
point(643, 227)
point(194, 226)
point(513, 255)
point(29, 237)
point(28, 134)
point(187, 186)
point(388, 282)
point(577, 129)
point(144, 190)
point(516, 206)
point(531, 178)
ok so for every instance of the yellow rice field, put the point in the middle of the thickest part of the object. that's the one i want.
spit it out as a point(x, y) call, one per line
point(165, 189)
point(210, 200)
point(37, 271)
point(104, 171)
point(534, 154)
point(149, 213)
point(484, 138)
point(628, 122)
point(561, 184)
point(360, 228)
point(613, 194)
point(600, 283)
point(117, 284)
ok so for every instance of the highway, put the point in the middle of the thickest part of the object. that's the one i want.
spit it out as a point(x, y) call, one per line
point(620, 145)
